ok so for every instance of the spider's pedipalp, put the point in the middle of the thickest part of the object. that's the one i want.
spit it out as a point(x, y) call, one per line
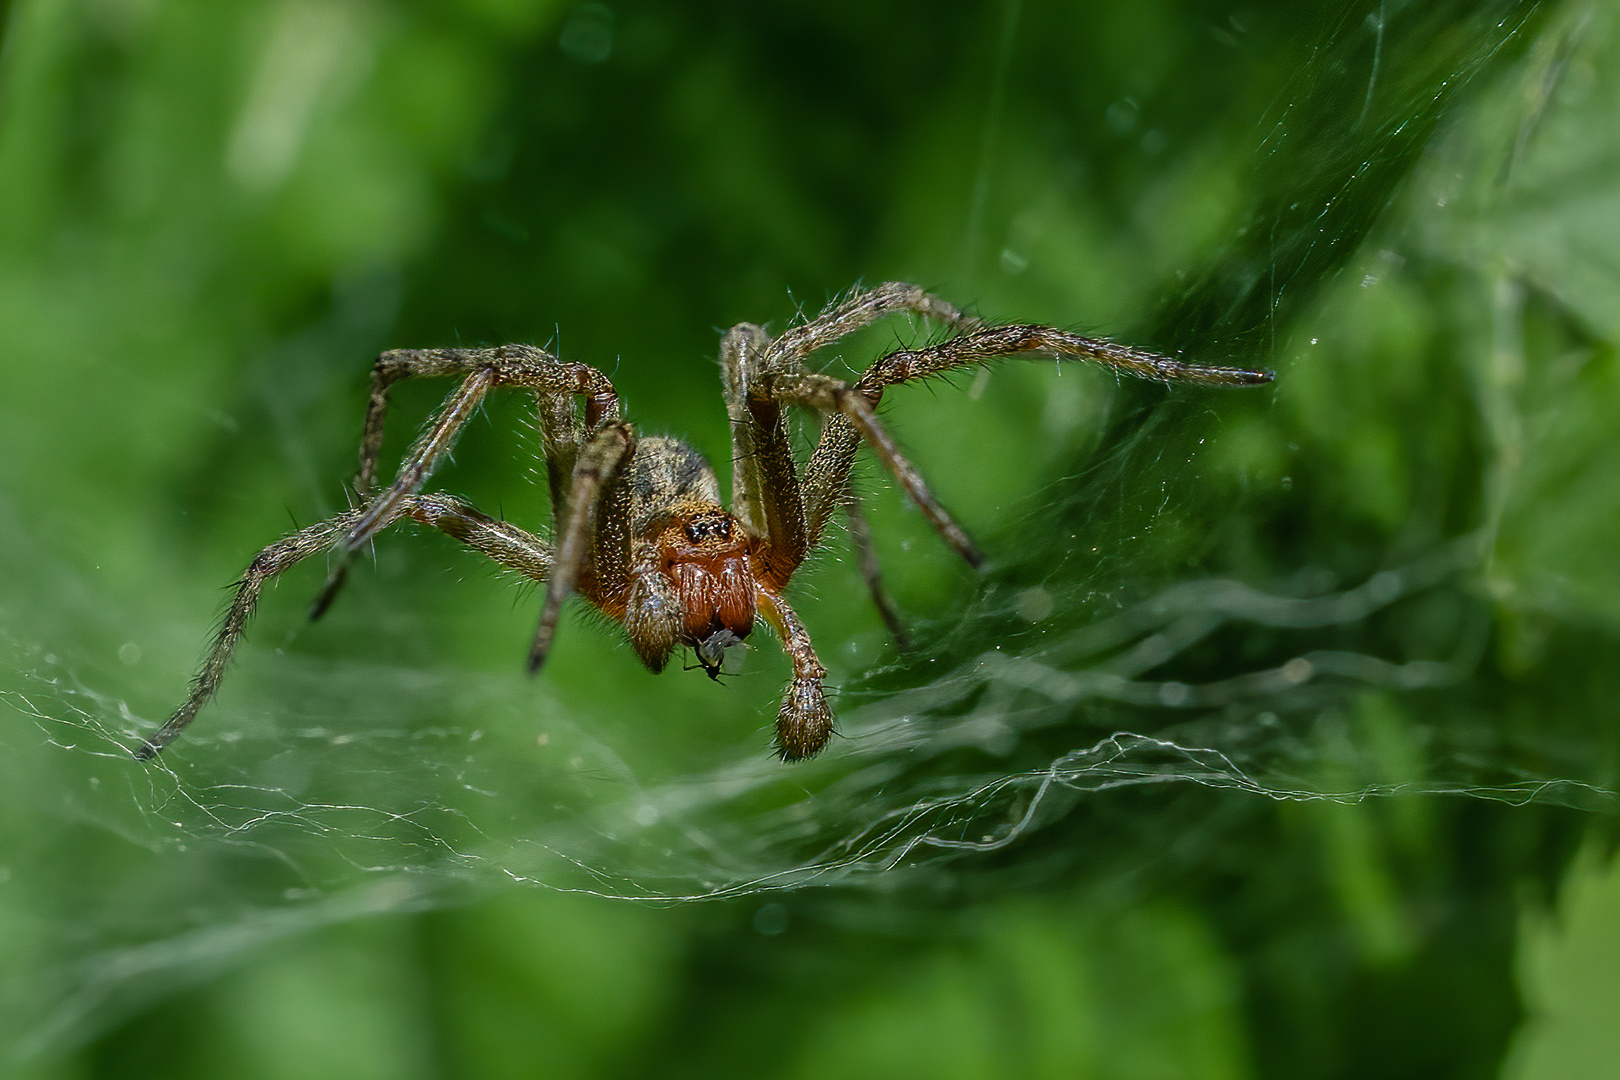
point(805, 721)
point(653, 619)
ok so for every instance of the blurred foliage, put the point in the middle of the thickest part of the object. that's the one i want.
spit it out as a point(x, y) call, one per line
point(215, 214)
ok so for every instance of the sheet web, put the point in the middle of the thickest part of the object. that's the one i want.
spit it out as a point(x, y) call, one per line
point(923, 775)
point(1054, 687)
point(304, 826)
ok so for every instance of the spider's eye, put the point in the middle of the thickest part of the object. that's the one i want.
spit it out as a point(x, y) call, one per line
point(701, 529)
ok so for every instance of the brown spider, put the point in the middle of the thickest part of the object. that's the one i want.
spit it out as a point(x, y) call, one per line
point(640, 529)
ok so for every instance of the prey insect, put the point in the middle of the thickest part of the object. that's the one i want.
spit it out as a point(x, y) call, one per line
point(640, 530)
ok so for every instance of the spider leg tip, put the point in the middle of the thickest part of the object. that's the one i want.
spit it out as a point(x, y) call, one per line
point(328, 593)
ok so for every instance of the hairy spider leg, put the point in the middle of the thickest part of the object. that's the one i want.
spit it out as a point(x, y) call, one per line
point(506, 544)
point(740, 352)
point(748, 356)
point(767, 493)
point(853, 418)
point(830, 395)
point(433, 444)
point(860, 309)
point(600, 471)
point(513, 366)
point(764, 478)
point(789, 353)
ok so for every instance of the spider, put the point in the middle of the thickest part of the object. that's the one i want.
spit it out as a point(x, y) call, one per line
point(640, 531)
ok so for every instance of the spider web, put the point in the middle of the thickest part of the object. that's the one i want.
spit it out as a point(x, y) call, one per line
point(329, 832)
point(1061, 683)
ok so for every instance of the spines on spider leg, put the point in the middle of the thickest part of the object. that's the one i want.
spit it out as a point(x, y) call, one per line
point(1016, 339)
point(384, 373)
point(1141, 362)
point(860, 308)
point(509, 546)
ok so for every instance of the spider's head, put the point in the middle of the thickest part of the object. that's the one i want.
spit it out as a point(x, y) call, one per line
point(695, 588)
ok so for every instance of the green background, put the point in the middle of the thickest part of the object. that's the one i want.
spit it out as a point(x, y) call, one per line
point(1278, 739)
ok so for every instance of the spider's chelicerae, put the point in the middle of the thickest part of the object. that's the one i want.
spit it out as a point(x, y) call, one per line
point(640, 531)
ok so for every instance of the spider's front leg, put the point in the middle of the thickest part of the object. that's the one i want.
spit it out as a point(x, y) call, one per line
point(522, 367)
point(852, 417)
point(768, 498)
point(767, 492)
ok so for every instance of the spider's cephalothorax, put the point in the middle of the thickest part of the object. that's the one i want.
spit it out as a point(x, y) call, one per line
point(640, 530)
